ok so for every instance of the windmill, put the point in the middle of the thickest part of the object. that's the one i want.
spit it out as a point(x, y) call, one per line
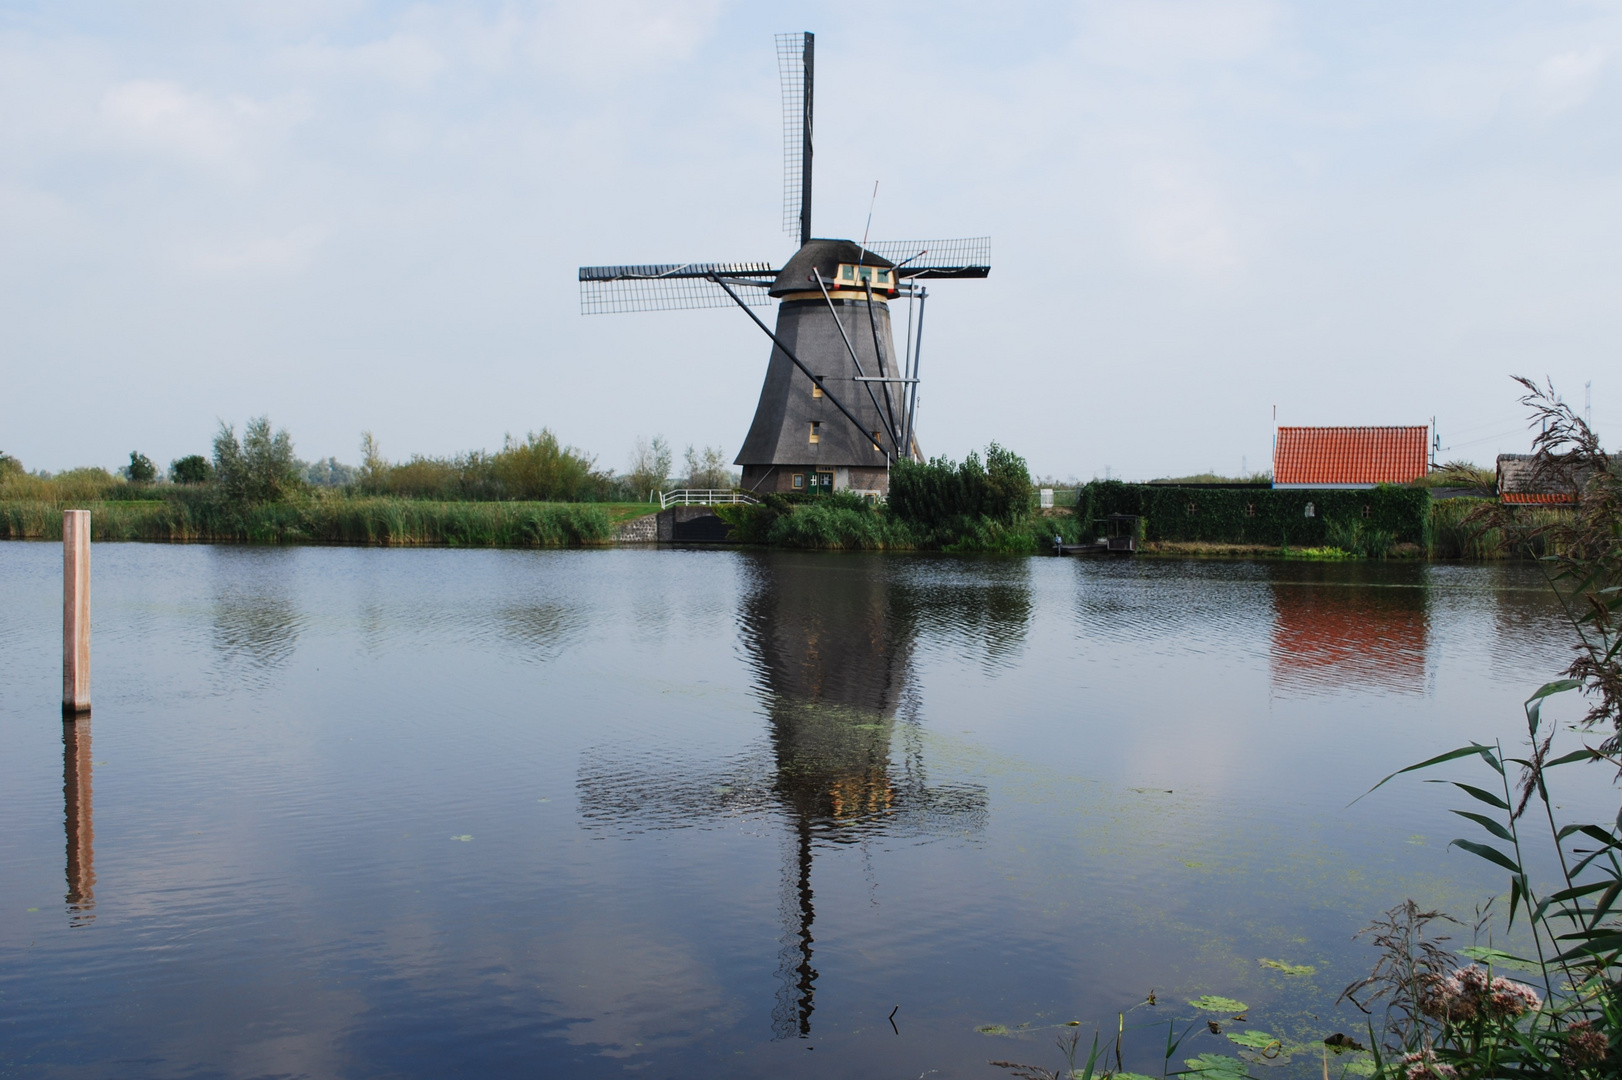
point(837, 406)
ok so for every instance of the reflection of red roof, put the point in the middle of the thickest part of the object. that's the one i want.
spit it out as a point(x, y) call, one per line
point(1350, 455)
point(1339, 638)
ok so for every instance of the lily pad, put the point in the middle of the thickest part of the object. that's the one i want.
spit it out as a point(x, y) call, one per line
point(1261, 1040)
point(1288, 969)
point(1217, 1067)
point(992, 1029)
point(1212, 1003)
point(1498, 958)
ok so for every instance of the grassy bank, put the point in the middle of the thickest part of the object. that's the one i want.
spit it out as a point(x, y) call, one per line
point(377, 520)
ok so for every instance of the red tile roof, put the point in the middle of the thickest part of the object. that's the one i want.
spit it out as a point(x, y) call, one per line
point(1350, 455)
point(1543, 499)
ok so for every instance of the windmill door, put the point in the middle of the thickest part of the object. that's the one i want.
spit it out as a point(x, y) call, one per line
point(823, 483)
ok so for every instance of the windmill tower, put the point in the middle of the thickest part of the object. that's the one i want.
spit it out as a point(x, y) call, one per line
point(838, 405)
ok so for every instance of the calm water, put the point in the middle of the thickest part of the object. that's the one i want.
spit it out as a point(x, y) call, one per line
point(348, 812)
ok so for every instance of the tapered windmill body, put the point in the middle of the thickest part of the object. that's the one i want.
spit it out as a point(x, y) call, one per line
point(838, 405)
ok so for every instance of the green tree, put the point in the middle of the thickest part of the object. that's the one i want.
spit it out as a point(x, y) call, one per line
point(261, 468)
point(539, 467)
point(140, 470)
point(939, 492)
point(191, 469)
point(1007, 485)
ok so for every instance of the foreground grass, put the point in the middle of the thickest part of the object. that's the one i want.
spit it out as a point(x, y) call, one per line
point(380, 521)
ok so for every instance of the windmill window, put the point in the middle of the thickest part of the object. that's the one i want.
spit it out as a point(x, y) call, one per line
point(1250, 509)
point(799, 481)
point(816, 387)
point(1368, 511)
point(1311, 511)
point(815, 435)
point(848, 273)
point(1193, 509)
point(876, 445)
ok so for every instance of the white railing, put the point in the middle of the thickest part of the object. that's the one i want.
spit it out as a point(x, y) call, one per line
point(703, 497)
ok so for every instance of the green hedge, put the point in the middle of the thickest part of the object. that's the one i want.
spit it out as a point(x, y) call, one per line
point(1259, 515)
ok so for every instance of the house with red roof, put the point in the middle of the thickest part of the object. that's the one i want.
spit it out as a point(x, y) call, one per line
point(1349, 457)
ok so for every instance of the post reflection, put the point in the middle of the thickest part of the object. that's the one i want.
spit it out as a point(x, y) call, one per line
point(1340, 626)
point(831, 640)
point(81, 832)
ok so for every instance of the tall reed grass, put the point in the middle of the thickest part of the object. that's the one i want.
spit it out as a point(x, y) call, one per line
point(1458, 530)
point(379, 521)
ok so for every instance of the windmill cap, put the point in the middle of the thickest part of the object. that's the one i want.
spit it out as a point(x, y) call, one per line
point(822, 257)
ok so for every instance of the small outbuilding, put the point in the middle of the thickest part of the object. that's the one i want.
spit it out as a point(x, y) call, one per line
point(1349, 457)
point(1520, 482)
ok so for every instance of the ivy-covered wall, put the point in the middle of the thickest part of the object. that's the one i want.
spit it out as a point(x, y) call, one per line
point(1258, 515)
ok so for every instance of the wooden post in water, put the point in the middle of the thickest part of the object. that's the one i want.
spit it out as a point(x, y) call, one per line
point(75, 612)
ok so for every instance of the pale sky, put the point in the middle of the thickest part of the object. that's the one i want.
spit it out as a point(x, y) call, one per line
point(358, 216)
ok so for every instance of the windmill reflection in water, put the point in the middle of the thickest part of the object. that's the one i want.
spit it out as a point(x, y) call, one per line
point(832, 651)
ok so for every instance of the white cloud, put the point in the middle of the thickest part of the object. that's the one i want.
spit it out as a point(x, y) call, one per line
point(160, 115)
point(283, 253)
point(1567, 80)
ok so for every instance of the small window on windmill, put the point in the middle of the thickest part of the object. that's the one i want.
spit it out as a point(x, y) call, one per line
point(882, 277)
point(848, 273)
point(1250, 509)
point(1368, 511)
point(1193, 509)
point(799, 481)
point(1311, 511)
point(876, 445)
point(815, 435)
point(816, 387)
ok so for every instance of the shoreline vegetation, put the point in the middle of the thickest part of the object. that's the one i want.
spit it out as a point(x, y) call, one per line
point(537, 492)
point(1444, 997)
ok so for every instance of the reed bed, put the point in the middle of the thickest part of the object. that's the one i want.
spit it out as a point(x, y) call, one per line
point(1460, 530)
point(378, 521)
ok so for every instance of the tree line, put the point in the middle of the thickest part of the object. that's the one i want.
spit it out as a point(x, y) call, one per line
point(262, 466)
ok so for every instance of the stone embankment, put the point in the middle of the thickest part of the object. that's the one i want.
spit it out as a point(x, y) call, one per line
point(675, 525)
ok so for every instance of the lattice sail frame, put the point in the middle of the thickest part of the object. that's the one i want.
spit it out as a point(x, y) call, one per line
point(966, 257)
point(791, 56)
point(613, 290)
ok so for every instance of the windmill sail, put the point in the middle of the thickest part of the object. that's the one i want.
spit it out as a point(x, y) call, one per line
point(795, 55)
point(606, 290)
point(969, 257)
